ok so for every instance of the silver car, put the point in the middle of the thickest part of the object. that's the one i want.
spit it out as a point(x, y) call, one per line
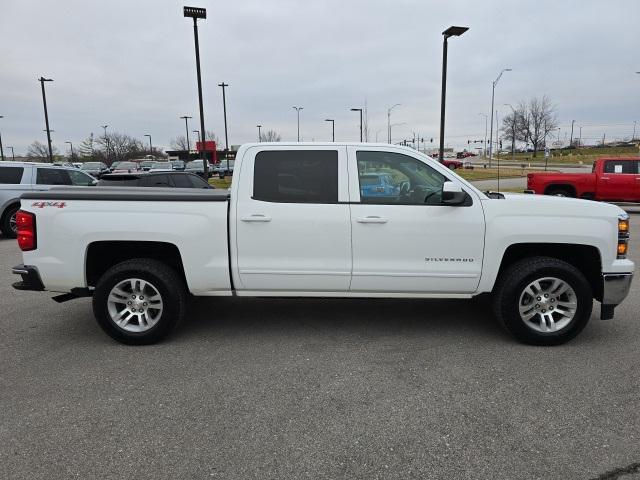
point(17, 178)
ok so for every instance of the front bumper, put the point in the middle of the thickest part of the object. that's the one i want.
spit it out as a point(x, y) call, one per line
point(615, 288)
point(30, 278)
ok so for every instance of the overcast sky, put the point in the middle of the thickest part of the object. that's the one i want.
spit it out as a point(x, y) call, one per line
point(131, 65)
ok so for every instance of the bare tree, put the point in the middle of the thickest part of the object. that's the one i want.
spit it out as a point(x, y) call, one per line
point(119, 146)
point(39, 151)
point(509, 128)
point(270, 136)
point(536, 120)
point(179, 143)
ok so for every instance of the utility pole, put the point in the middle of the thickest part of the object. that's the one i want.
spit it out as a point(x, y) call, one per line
point(226, 136)
point(106, 142)
point(298, 115)
point(150, 146)
point(46, 115)
point(449, 32)
point(389, 121)
point(71, 145)
point(186, 127)
point(1, 150)
point(195, 13)
point(259, 134)
point(580, 139)
point(571, 137)
point(333, 128)
point(197, 132)
point(359, 110)
point(634, 129)
point(13, 155)
point(493, 94)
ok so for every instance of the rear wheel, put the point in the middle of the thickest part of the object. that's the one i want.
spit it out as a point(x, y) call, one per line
point(560, 192)
point(543, 301)
point(139, 301)
point(9, 226)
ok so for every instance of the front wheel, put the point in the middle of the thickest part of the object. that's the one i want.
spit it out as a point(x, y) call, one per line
point(139, 301)
point(543, 301)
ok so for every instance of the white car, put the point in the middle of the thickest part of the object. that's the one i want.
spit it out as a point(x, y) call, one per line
point(305, 220)
point(161, 167)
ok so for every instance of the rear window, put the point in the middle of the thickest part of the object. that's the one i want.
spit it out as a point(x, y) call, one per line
point(155, 181)
point(11, 174)
point(303, 176)
point(52, 176)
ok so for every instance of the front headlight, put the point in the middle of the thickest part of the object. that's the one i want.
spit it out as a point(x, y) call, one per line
point(623, 235)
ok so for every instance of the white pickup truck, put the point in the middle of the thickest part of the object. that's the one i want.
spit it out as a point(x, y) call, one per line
point(326, 220)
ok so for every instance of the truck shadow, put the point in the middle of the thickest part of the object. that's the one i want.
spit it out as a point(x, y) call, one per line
point(369, 318)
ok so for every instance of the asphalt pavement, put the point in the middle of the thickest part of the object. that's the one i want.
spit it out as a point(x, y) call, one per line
point(317, 389)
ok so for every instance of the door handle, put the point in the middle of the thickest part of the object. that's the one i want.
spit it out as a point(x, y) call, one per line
point(372, 219)
point(604, 178)
point(256, 217)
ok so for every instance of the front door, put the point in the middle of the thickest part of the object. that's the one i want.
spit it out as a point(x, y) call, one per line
point(404, 239)
point(293, 221)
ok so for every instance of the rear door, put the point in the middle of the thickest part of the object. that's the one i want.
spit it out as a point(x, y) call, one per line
point(618, 180)
point(293, 230)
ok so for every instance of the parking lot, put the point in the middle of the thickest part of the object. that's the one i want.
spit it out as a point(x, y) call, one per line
point(314, 389)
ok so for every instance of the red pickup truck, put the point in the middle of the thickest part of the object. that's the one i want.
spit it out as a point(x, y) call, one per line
point(612, 179)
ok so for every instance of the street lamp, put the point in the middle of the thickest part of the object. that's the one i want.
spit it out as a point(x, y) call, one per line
point(196, 13)
point(13, 155)
point(186, 127)
point(449, 32)
point(298, 113)
point(224, 108)
point(150, 146)
point(106, 141)
point(396, 125)
point(46, 115)
point(197, 132)
point(333, 128)
point(1, 150)
point(359, 110)
point(259, 133)
point(486, 119)
point(493, 94)
point(389, 121)
point(71, 145)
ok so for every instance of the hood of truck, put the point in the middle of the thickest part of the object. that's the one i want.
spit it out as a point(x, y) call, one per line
point(550, 206)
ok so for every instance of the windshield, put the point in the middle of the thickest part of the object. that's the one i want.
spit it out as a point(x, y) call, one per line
point(90, 166)
point(195, 164)
point(126, 165)
point(161, 165)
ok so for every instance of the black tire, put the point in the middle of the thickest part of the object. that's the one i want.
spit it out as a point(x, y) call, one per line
point(169, 285)
point(7, 231)
point(452, 167)
point(560, 192)
point(514, 280)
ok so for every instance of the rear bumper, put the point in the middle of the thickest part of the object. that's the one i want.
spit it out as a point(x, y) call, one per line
point(30, 278)
point(615, 288)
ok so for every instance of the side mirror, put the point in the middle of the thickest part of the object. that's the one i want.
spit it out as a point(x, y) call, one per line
point(452, 194)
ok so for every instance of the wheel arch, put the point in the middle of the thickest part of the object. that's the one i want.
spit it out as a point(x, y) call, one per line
point(561, 186)
point(102, 255)
point(585, 258)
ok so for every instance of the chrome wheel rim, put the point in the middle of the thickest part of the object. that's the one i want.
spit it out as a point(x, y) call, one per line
point(13, 224)
point(547, 305)
point(135, 305)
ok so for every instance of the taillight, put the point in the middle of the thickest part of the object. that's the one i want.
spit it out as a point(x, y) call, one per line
point(26, 223)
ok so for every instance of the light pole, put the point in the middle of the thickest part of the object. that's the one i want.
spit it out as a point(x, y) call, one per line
point(106, 141)
point(13, 155)
point(224, 108)
point(486, 119)
point(71, 145)
point(196, 13)
point(259, 133)
point(634, 130)
point(46, 115)
point(186, 127)
point(493, 94)
point(298, 114)
point(449, 32)
point(333, 128)
point(396, 125)
point(197, 132)
point(1, 150)
point(389, 121)
point(359, 110)
point(580, 138)
point(571, 137)
point(150, 146)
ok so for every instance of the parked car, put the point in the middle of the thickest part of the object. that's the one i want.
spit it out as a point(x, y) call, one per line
point(153, 179)
point(146, 165)
point(543, 259)
point(17, 178)
point(95, 169)
point(161, 167)
point(124, 167)
point(197, 167)
point(177, 165)
point(452, 164)
point(223, 169)
point(611, 179)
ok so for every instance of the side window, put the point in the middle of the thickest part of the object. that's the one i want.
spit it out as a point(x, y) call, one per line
point(181, 181)
point(52, 176)
point(296, 176)
point(620, 166)
point(197, 182)
point(155, 181)
point(80, 179)
point(11, 175)
point(394, 178)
